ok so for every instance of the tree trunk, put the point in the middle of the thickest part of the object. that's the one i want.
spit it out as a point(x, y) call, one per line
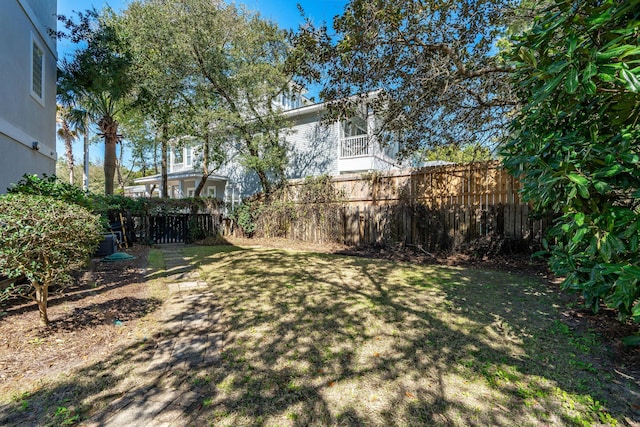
point(41, 297)
point(68, 145)
point(163, 165)
point(85, 173)
point(205, 166)
point(109, 127)
point(262, 175)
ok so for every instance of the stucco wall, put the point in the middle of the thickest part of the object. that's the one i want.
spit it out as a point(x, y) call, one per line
point(23, 118)
point(22, 160)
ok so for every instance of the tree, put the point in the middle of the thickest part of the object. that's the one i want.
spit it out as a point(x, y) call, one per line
point(44, 239)
point(97, 78)
point(68, 134)
point(576, 144)
point(225, 66)
point(432, 71)
point(142, 141)
point(161, 77)
point(458, 154)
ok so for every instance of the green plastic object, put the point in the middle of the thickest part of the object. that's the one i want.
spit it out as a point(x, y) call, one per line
point(118, 256)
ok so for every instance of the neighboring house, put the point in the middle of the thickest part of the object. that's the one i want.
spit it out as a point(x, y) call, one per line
point(314, 149)
point(27, 89)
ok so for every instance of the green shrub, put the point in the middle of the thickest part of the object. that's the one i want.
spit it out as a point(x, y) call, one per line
point(53, 187)
point(44, 239)
point(576, 144)
point(246, 216)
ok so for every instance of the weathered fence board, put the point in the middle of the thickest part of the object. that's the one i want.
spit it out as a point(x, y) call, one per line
point(439, 208)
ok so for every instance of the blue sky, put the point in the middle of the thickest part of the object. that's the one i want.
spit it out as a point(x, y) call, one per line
point(283, 12)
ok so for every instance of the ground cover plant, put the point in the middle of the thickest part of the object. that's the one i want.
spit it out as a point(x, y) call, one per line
point(321, 339)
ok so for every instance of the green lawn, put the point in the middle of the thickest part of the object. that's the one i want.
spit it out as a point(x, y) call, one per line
point(316, 339)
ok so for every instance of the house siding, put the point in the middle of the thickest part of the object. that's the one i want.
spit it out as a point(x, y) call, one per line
point(23, 118)
point(313, 147)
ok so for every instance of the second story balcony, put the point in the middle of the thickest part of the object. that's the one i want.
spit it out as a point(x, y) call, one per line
point(362, 153)
point(355, 146)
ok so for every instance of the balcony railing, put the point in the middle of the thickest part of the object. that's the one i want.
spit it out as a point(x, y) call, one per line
point(354, 146)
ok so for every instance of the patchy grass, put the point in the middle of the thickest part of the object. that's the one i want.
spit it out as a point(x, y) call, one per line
point(317, 339)
point(155, 259)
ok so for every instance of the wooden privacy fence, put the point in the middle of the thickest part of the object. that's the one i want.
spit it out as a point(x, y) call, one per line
point(438, 208)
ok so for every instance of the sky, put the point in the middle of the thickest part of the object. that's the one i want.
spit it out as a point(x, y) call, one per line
point(283, 12)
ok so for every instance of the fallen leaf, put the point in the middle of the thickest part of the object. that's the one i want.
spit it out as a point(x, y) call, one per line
point(331, 383)
point(376, 354)
point(409, 394)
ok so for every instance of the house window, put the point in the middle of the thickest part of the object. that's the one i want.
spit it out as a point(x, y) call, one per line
point(177, 155)
point(37, 70)
point(189, 156)
point(191, 192)
point(211, 191)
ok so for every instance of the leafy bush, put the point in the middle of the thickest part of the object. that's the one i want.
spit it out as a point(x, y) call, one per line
point(44, 239)
point(246, 216)
point(576, 144)
point(53, 187)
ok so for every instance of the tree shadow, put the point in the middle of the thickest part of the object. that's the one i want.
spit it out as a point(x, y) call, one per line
point(99, 278)
point(117, 310)
point(312, 339)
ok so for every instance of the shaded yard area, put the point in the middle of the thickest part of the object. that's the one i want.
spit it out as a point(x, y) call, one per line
point(322, 339)
point(317, 339)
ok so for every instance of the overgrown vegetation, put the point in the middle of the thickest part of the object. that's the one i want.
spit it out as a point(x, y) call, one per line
point(576, 144)
point(44, 239)
point(313, 202)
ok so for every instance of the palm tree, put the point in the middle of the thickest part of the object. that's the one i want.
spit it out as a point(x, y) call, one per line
point(96, 79)
point(68, 134)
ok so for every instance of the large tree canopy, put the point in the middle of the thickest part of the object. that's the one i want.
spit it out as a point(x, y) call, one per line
point(576, 144)
point(215, 69)
point(432, 70)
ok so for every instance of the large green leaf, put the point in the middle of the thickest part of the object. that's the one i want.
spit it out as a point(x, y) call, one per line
point(571, 83)
point(633, 84)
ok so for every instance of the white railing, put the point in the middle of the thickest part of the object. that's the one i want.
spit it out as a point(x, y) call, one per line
point(354, 146)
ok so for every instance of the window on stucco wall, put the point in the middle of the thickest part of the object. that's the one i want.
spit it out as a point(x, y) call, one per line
point(37, 70)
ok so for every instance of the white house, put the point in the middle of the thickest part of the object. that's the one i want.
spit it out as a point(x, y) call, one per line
point(27, 89)
point(314, 149)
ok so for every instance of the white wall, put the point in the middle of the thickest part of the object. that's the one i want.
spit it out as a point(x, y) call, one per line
point(23, 118)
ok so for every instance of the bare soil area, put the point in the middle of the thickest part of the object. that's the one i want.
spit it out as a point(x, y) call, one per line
point(104, 310)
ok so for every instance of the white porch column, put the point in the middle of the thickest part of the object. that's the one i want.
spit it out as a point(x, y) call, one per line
point(374, 149)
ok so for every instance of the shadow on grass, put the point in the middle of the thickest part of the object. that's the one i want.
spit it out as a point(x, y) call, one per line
point(312, 339)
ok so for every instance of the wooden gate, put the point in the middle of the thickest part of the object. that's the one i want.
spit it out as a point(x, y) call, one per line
point(176, 228)
point(170, 228)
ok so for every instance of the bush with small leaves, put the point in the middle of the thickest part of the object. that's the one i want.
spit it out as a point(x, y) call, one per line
point(44, 239)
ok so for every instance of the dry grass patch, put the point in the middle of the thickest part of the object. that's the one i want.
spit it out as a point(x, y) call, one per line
point(318, 339)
